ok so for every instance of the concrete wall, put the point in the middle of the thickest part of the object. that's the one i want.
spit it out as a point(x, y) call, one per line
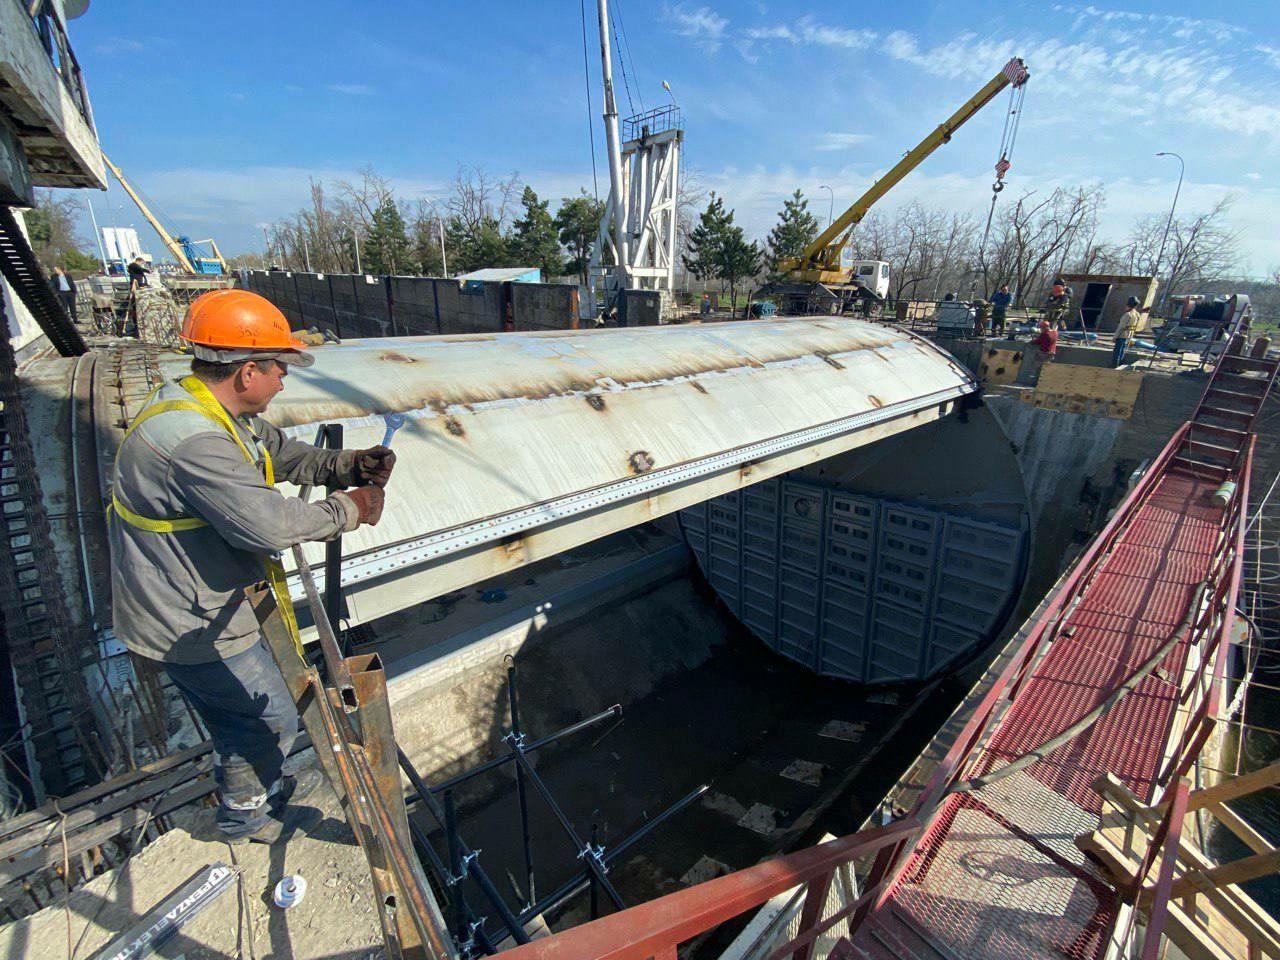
point(375, 306)
point(452, 712)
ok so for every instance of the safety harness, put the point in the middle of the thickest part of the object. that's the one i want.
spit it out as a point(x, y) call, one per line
point(205, 403)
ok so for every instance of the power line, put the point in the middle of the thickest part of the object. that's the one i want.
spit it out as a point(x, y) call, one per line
point(635, 74)
point(622, 64)
point(591, 120)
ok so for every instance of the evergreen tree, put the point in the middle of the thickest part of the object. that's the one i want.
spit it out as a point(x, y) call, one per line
point(704, 243)
point(737, 259)
point(386, 248)
point(476, 246)
point(795, 230)
point(578, 221)
point(425, 246)
point(534, 241)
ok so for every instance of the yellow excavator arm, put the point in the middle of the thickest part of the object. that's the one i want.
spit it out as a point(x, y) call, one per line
point(175, 248)
point(820, 262)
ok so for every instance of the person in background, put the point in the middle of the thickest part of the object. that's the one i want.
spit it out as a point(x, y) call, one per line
point(65, 290)
point(1000, 302)
point(982, 310)
point(1047, 342)
point(1130, 323)
point(704, 308)
point(1057, 305)
point(138, 273)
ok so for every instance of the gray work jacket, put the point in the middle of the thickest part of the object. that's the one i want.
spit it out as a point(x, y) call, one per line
point(179, 596)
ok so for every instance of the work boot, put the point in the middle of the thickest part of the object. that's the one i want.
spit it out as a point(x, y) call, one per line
point(296, 787)
point(289, 822)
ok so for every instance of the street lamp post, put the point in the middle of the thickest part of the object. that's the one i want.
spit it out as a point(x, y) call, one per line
point(1182, 168)
point(831, 204)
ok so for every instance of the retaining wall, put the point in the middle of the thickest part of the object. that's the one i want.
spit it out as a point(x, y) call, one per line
point(363, 305)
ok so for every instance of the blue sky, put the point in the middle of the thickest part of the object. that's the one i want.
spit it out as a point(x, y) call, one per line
point(221, 119)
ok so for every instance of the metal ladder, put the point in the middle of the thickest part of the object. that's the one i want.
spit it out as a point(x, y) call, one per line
point(1225, 416)
point(19, 266)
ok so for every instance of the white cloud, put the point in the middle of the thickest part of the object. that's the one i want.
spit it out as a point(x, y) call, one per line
point(1254, 176)
point(840, 141)
point(702, 23)
point(351, 89)
point(112, 46)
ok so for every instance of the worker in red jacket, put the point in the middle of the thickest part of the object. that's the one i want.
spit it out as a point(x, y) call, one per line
point(1047, 341)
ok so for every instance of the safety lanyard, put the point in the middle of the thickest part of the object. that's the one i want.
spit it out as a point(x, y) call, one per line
point(204, 402)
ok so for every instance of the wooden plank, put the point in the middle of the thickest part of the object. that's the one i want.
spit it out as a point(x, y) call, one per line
point(1233, 822)
point(1237, 871)
point(1096, 391)
point(1231, 920)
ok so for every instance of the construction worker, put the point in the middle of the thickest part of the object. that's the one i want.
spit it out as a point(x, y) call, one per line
point(195, 519)
point(981, 311)
point(1000, 302)
point(1057, 305)
point(64, 288)
point(1130, 323)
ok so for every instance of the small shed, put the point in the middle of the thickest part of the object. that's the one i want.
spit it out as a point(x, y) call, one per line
point(1100, 298)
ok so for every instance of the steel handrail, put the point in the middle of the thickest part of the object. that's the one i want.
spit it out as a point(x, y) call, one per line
point(655, 929)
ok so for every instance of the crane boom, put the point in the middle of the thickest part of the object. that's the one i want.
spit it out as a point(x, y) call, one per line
point(175, 248)
point(820, 262)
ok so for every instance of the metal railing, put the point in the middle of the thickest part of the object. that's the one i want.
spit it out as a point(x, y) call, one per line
point(651, 122)
point(657, 928)
point(53, 37)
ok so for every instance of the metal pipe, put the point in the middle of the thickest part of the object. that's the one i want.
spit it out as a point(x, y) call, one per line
point(457, 868)
point(1182, 169)
point(335, 664)
point(587, 852)
point(573, 887)
point(470, 860)
point(521, 793)
point(332, 434)
point(615, 150)
point(614, 711)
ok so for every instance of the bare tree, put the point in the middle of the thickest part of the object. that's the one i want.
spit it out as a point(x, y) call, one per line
point(478, 197)
point(1200, 248)
point(1038, 238)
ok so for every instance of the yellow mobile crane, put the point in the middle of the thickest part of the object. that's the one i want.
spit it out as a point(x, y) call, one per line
point(820, 263)
point(183, 248)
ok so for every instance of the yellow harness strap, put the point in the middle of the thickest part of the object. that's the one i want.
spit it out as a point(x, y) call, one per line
point(204, 402)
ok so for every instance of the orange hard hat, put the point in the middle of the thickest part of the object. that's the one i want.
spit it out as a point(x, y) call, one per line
point(236, 325)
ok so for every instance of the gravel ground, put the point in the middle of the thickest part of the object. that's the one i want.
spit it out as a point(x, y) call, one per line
point(335, 920)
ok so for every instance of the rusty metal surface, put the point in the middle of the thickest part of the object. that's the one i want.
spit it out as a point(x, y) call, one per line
point(510, 435)
point(518, 446)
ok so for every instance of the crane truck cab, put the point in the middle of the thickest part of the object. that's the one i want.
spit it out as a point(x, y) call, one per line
point(872, 275)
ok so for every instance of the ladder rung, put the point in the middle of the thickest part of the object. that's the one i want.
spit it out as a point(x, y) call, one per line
point(1229, 433)
point(1213, 447)
point(1244, 416)
point(1212, 469)
point(1251, 363)
point(1236, 395)
point(1240, 379)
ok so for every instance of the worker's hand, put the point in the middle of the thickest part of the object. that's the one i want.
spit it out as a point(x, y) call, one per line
point(374, 465)
point(365, 505)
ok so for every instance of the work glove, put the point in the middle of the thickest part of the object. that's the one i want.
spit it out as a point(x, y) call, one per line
point(374, 465)
point(362, 505)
